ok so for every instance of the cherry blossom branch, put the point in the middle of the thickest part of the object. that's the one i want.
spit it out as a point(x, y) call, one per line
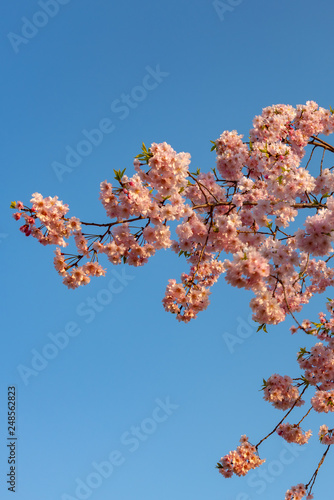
point(203, 246)
point(300, 421)
point(307, 164)
point(110, 224)
point(256, 181)
point(281, 421)
point(202, 186)
point(322, 144)
point(255, 203)
point(287, 304)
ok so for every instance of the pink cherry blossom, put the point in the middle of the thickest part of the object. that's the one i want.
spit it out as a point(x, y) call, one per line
point(241, 461)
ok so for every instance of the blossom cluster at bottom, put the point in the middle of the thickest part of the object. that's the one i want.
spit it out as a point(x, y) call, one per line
point(297, 493)
point(240, 461)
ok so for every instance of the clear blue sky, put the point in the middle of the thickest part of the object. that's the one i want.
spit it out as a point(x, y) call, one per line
point(208, 71)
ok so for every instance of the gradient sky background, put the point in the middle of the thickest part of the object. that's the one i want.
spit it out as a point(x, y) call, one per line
point(219, 72)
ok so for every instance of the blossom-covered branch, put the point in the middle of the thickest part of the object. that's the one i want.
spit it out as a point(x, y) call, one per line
point(235, 220)
point(244, 208)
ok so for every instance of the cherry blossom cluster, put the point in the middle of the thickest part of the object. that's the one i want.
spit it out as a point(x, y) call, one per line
point(190, 296)
point(281, 393)
point(50, 212)
point(292, 433)
point(318, 365)
point(78, 275)
point(297, 493)
point(168, 172)
point(326, 436)
point(240, 461)
point(323, 401)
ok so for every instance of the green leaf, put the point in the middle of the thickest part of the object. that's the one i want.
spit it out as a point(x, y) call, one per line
point(13, 204)
point(265, 150)
point(214, 146)
point(301, 352)
point(306, 382)
point(196, 173)
point(119, 174)
point(264, 385)
point(262, 327)
point(145, 155)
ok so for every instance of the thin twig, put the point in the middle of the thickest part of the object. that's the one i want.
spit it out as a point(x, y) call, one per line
point(279, 423)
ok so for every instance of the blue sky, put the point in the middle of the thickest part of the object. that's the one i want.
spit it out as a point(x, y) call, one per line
point(158, 401)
